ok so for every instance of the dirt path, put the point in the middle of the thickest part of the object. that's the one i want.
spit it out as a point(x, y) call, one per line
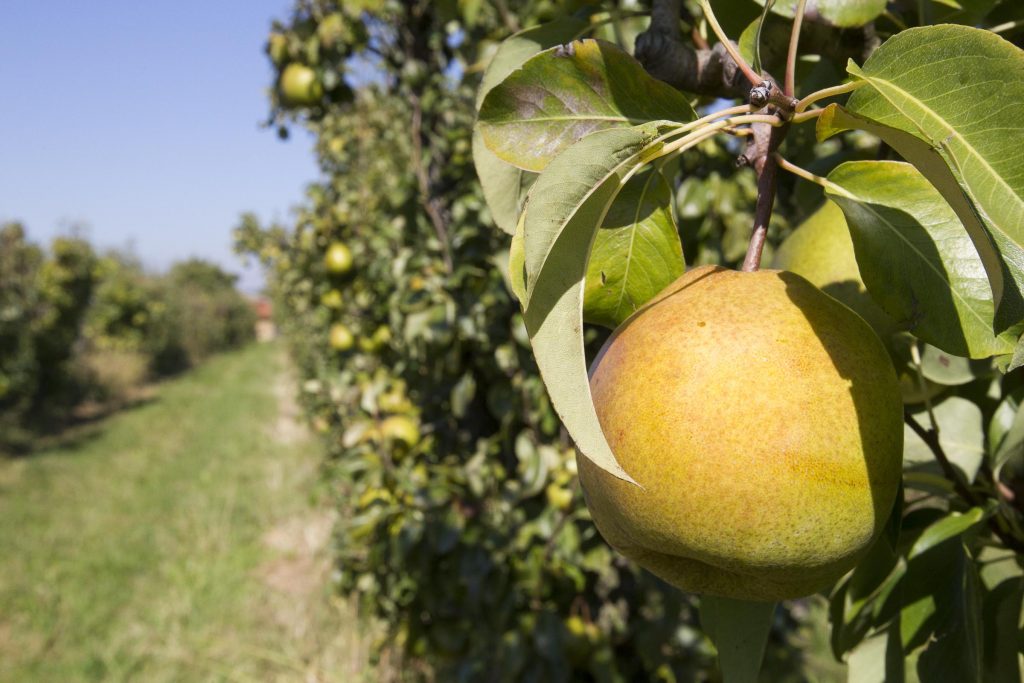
point(321, 626)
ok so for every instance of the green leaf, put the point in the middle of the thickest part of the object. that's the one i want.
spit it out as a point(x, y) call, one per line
point(1003, 419)
point(565, 210)
point(636, 253)
point(878, 659)
point(928, 161)
point(756, 62)
point(969, 12)
point(962, 90)
point(504, 185)
point(1011, 446)
point(915, 258)
point(949, 370)
point(1017, 359)
point(517, 262)
point(1002, 598)
point(843, 13)
point(739, 630)
point(953, 524)
point(954, 650)
point(858, 603)
point(960, 434)
point(567, 92)
point(515, 50)
point(1001, 610)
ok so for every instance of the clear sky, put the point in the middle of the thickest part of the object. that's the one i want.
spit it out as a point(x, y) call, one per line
point(141, 121)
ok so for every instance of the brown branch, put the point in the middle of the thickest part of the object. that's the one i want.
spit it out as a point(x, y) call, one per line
point(960, 485)
point(713, 73)
point(663, 54)
point(415, 46)
point(429, 202)
point(510, 20)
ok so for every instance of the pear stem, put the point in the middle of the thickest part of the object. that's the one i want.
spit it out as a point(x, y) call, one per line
point(766, 165)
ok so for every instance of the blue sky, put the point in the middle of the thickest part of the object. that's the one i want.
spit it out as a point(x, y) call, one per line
point(141, 121)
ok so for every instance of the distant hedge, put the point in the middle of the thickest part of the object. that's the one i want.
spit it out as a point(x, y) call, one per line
point(77, 326)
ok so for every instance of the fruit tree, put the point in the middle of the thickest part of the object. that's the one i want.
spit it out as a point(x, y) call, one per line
point(748, 277)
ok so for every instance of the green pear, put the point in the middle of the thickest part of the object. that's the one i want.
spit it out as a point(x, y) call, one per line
point(821, 250)
point(300, 86)
point(340, 337)
point(338, 259)
point(761, 419)
point(332, 299)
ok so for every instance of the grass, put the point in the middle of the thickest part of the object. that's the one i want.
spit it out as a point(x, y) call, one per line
point(175, 541)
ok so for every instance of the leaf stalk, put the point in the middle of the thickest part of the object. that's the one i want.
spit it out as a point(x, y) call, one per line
point(794, 41)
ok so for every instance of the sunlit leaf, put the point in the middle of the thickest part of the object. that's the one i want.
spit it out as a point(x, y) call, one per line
point(567, 92)
point(961, 436)
point(1010, 448)
point(954, 524)
point(515, 50)
point(949, 370)
point(928, 161)
point(843, 13)
point(636, 253)
point(504, 185)
point(878, 659)
point(915, 258)
point(1003, 419)
point(517, 262)
point(961, 89)
point(566, 208)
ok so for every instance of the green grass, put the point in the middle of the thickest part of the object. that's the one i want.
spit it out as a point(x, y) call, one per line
point(170, 543)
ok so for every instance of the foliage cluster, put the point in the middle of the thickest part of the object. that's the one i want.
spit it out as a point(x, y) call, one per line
point(75, 325)
point(463, 526)
point(927, 244)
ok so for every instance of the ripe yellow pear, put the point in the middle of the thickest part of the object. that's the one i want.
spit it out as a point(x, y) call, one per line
point(762, 420)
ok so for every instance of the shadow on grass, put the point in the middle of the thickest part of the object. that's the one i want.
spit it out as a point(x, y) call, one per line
point(67, 433)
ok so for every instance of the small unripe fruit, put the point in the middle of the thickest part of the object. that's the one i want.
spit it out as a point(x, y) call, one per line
point(332, 299)
point(558, 497)
point(381, 336)
point(340, 337)
point(331, 30)
point(338, 259)
point(394, 401)
point(277, 48)
point(300, 86)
